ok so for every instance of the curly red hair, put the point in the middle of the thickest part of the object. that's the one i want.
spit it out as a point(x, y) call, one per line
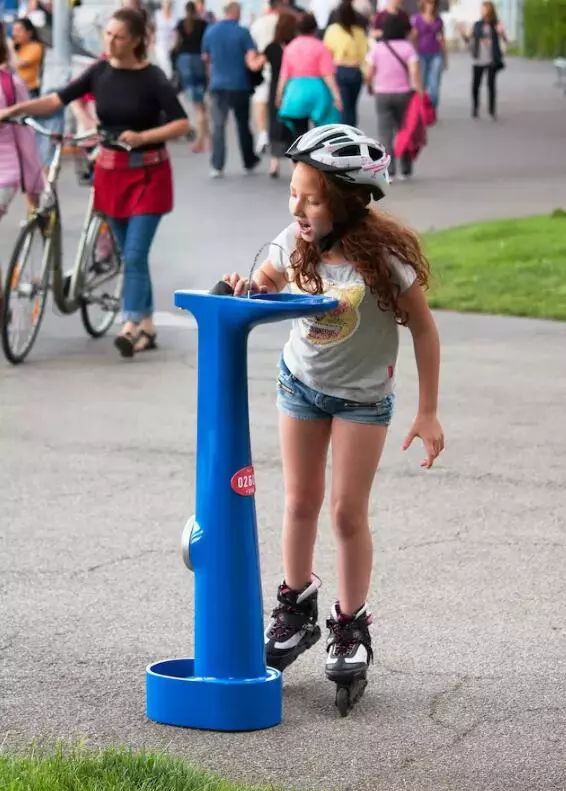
point(371, 240)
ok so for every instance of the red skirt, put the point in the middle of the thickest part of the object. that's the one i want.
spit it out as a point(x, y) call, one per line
point(124, 191)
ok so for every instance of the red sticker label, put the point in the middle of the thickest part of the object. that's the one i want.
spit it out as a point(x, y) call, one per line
point(243, 481)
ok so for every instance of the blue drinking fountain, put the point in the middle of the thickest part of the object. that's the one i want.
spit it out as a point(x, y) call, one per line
point(227, 686)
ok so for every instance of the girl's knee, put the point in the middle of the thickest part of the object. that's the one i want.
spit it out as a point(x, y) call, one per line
point(302, 508)
point(348, 519)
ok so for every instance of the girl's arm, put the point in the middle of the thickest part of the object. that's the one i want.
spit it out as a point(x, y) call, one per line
point(267, 278)
point(330, 80)
point(427, 354)
point(464, 32)
point(369, 77)
point(443, 49)
point(501, 31)
point(280, 90)
point(283, 77)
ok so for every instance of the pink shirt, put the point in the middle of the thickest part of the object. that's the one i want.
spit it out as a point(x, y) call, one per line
point(390, 75)
point(306, 56)
point(10, 175)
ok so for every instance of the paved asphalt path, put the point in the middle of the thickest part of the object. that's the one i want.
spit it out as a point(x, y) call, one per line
point(96, 481)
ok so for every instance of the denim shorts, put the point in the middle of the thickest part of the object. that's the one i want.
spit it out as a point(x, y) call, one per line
point(300, 401)
point(192, 72)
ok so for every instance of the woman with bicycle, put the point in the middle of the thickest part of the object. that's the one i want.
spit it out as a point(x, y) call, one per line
point(132, 188)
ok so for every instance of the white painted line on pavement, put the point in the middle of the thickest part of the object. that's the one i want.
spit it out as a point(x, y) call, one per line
point(165, 319)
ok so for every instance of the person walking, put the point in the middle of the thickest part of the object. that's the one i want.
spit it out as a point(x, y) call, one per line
point(137, 106)
point(393, 8)
point(485, 40)
point(230, 51)
point(279, 134)
point(29, 51)
point(336, 384)
point(203, 13)
point(165, 25)
point(307, 91)
point(192, 70)
point(393, 75)
point(429, 41)
point(262, 31)
point(348, 43)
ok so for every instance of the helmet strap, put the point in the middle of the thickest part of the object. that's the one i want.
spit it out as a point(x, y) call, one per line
point(339, 230)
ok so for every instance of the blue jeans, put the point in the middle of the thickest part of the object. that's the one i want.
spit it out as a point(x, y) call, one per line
point(55, 123)
point(298, 400)
point(134, 236)
point(349, 81)
point(431, 72)
point(222, 103)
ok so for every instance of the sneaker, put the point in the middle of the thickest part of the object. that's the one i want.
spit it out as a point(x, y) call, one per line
point(293, 626)
point(348, 644)
point(262, 143)
point(215, 174)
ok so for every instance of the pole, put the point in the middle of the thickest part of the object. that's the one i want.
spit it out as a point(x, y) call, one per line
point(62, 33)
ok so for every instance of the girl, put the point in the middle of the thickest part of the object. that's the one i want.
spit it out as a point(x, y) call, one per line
point(393, 75)
point(336, 385)
point(192, 70)
point(136, 104)
point(428, 35)
point(307, 90)
point(485, 43)
point(279, 135)
point(348, 43)
point(165, 23)
point(29, 54)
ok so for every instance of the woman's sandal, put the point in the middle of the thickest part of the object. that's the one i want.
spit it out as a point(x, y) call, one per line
point(148, 339)
point(125, 344)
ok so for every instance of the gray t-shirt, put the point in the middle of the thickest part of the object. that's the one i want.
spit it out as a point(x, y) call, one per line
point(351, 352)
point(485, 48)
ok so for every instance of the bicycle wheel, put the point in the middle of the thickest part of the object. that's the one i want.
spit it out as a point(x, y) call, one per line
point(101, 278)
point(25, 292)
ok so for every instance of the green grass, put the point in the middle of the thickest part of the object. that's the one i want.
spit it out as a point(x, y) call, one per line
point(113, 769)
point(512, 267)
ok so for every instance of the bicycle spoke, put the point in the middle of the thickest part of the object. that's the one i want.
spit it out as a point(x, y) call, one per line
point(26, 292)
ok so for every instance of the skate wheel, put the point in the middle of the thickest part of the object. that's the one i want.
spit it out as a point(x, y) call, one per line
point(343, 701)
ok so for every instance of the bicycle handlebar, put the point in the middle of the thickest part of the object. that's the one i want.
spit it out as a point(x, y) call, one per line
point(27, 120)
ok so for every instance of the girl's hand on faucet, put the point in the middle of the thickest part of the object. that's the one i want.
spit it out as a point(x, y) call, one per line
point(242, 285)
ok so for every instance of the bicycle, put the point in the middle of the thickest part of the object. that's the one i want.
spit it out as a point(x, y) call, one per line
point(94, 286)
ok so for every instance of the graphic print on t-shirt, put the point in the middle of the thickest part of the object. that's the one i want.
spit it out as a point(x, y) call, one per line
point(330, 329)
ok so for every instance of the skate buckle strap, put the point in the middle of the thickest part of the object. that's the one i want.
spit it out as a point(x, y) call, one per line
point(346, 633)
point(287, 619)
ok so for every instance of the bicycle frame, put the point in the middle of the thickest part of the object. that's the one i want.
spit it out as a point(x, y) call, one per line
point(65, 294)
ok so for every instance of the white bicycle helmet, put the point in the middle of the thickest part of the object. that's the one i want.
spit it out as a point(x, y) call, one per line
point(346, 154)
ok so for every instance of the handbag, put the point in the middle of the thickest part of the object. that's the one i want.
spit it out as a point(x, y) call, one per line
point(9, 90)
